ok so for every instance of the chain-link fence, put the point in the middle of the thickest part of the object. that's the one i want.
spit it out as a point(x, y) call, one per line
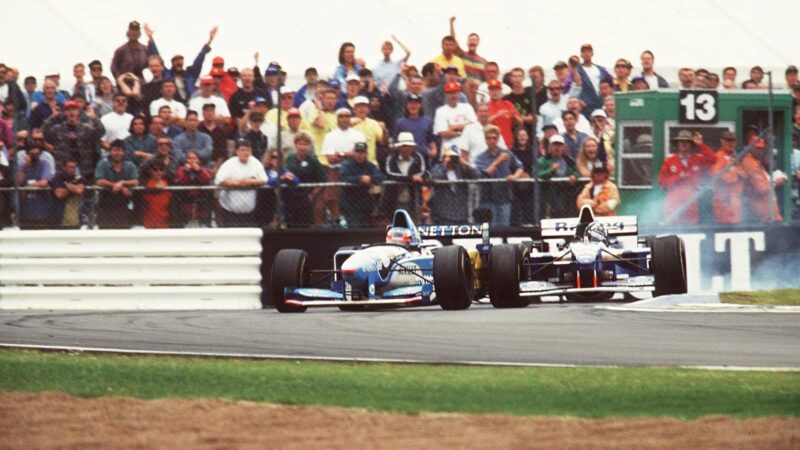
point(521, 202)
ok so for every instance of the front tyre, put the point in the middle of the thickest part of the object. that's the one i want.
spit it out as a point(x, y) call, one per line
point(453, 277)
point(288, 271)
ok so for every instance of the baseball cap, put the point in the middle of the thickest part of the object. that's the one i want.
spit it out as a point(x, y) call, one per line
point(334, 84)
point(599, 166)
point(560, 65)
point(405, 138)
point(642, 79)
point(341, 111)
point(557, 139)
point(599, 113)
point(451, 68)
point(494, 84)
point(361, 100)
point(217, 72)
point(360, 147)
point(728, 135)
point(549, 126)
point(134, 25)
point(206, 80)
point(791, 69)
point(217, 60)
point(273, 69)
point(352, 77)
point(452, 86)
point(233, 71)
point(70, 104)
point(260, 100)
point(293, 112)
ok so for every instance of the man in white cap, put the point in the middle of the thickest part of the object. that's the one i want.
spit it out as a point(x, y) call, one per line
point(337, 146)
point(372, 130)
point(407, 166)
point(604, 132)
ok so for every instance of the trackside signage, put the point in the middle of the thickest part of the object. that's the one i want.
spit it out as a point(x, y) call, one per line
point(432, 231)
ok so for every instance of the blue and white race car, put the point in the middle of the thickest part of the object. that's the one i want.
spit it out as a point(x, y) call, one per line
point(401, 271)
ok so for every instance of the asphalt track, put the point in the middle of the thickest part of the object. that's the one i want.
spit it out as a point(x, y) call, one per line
point(541, 334)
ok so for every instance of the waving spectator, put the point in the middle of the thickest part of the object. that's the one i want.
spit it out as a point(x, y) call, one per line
point(185, 78)
point(681, 175)
point(387, 69)
point(473, 63)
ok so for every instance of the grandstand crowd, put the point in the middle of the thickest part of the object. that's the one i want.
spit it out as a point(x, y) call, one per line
point(459, 116)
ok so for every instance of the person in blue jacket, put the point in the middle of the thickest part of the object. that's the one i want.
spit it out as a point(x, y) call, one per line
point(356, 202)
point(185, 78)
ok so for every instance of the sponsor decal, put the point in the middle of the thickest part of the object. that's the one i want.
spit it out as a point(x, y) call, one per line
point(430, 231)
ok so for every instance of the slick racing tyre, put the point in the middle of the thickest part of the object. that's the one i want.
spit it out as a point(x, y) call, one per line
point(288, 270)
point(453, 277)
point(668, 260)
point(505, 273)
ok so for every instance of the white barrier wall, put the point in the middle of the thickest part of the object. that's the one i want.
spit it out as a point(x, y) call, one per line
point(185, 269)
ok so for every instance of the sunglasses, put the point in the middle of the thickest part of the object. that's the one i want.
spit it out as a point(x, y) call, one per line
point(555, 89)
point(161, 144)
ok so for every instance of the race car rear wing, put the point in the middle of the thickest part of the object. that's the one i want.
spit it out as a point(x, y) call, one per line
point(455, 231)
point(614, 225)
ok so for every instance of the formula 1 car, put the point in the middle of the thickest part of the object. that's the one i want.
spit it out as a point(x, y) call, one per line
point(584, 258)
point(398, 272)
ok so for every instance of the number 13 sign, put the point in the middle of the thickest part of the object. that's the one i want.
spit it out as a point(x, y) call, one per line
point(698, 106)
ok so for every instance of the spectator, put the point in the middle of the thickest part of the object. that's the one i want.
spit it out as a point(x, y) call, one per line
point(729, 77)
point(156, 201)
point(117, 177)
point(497, 163)
point(15, 120)
point(681, 175)
point(157, 127)
point(169, 98)
point(701, 79)
point(622, 72)
point(87, 91)
point(556, 196)
point(285, 104)
point(582, 124)
point(791, 77)
point(192, 207)
point(356, 202)
point(520, 96)
point(588, 157)
point(600, 194)
point(139, 145)
point(96, 72)
point(729, 175)
point(29, 87)
point(474, 64)
point(163, 156)
point(451, 118)
point(649, 74)
point(323, 119)
point(220, 135)
point(686, 77)
point(352, 90)
point(48, 106)
point(117, 123)
point(572, 137)
point(68, 188)
point(450, 202)
point(758, 194)
point(185, 78)
point(270, 82)
point(72, 139)
point(448, 56)
point(639, 84)
point(386, 70)
point(237, 206)
point(241, 99)
point(259, 142)
point(6, 181)
point(522, 205)
point(536, 81)
point(348, 64)
point(207, 85)
point(131, 86)
point(307, 91)
point(562, 72)
point(406, 166)
point(104, 97)
point(338, 145)
point(591, 75)
point(225, 84)
point(757, 75)
point(192, 139)
point(131, 56)
point(610, 109)
point(419, 126)
point(556, 104)
point(296, 125)
point(307, 168)
point(434, 97)
point(276, 176)
point(170, 128)
point(399, 97)
point(9, 90)
point(372, 130)
point(34, 172)
point(152, 89)
point(713, 81)
point(473, 140)
point(502, 113)
point(604, 133)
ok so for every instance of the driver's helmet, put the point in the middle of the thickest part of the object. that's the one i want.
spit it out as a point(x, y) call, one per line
point(596, 232)
point(398, 235)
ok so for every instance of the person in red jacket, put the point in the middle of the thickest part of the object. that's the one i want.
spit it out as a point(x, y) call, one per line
point(727, 199)
point(681, 175)
point(502, 113)
point(227, 85)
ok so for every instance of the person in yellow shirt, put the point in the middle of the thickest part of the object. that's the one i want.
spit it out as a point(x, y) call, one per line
point(372, 130)
point(323, 119)
point(600, 194)
point(286, 102)
point(449, 57)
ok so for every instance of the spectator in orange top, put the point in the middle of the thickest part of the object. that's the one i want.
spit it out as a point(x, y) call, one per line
point(502, 113)
point(156, 203)
point(681, 175)
point(227, 86)
point(600, 194)
point(727, 199)
point(757, 189)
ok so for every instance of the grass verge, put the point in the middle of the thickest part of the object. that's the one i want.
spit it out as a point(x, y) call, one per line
point(580, 392)
point(789, 297)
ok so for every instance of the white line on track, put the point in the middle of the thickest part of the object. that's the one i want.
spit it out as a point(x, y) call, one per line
point(122, 351)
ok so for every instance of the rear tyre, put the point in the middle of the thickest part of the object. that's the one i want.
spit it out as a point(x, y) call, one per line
point(288, 270)
point(505, 273)
point(453, 277)
point(668, 260)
